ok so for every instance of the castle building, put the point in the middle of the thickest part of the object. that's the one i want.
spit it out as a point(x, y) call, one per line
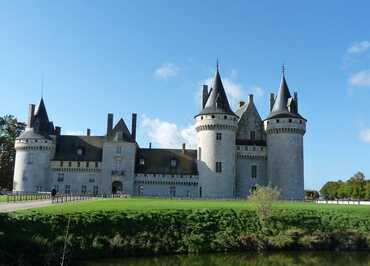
point(236, 151)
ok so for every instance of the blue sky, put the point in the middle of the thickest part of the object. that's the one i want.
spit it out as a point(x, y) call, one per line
point(151, 57)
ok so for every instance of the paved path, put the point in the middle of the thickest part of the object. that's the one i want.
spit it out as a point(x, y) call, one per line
point(11, 207)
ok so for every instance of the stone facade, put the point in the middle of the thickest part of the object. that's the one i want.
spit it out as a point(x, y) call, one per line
point(236, 152)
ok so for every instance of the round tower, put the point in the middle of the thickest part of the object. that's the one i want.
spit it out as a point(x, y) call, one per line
point(32, 161)
point(285, 129)
point(216, 127)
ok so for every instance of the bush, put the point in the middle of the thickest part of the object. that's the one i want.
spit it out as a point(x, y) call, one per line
point(36, 239)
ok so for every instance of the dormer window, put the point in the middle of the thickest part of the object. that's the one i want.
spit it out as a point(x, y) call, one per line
point(80, 151)
point(141, 161)
point(173, 163)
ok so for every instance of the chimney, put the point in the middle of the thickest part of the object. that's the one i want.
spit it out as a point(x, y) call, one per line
point(183, 147)
point(88, 132)
point(150, 145)
point(57, 131)
point(241, 103)
point(31, 115)
point(133, 126)
point(272, 101)
point(109, 124)
point(296, 100)
point(205, 95)
point(250, 98)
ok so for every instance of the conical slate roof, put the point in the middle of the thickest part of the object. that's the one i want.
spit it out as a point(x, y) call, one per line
point(41, 111)
point(42, 124)
point(217, 102)
point(283, 99)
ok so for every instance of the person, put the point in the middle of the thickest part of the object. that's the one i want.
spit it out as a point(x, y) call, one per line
point(53, 193)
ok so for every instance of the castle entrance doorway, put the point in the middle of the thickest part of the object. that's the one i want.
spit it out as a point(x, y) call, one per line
point(116, 187)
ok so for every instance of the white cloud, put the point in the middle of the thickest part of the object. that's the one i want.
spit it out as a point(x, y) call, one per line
point(234, 90)
point(74, 132)
point(257, 91)
point(358, 47)
point(166, 71)
point(168, 135)
point(365, 135)
point(360, 79)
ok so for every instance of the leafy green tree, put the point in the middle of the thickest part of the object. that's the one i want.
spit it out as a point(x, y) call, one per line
point(264, 197)
point(330, 190)
point(10, 128)
point(344, 190)
point(367, 190)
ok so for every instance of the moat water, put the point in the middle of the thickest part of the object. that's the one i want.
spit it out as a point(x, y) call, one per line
point(246, 259)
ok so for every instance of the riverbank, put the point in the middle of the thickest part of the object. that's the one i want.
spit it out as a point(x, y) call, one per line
point(285, 258)
point(38, 237)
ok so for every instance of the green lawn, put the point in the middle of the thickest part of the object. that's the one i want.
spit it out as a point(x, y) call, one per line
point(147, 204)
point(2, 198)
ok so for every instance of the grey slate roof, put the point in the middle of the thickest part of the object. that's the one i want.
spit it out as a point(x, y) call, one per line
point(280, 108)
point(30, 134)
point(157, 161)
point(217, 102)
point(41, 123)
point(67, 146)
point(120, 132)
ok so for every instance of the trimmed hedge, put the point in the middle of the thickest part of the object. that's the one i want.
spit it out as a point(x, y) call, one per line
point(35, 238)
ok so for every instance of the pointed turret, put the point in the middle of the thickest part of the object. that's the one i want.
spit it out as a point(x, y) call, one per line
point(283, 102)
point(217, 102)
point(41, 120)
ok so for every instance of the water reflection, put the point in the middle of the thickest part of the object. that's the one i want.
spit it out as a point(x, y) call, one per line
point(249, 259)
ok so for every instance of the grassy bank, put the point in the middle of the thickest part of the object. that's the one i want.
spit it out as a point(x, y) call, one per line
point(150, 204)
point(136, 227)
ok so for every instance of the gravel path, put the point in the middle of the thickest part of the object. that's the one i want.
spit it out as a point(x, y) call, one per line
point(11, 207)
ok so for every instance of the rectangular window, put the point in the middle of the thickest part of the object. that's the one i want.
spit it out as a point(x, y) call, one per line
point(67, 189)
point(253, 135)
point(96, 190)
point(254, 171)
point(91, 180)
point(30, 158)
point(218, 136)
point(60, 177)
point(200, 192)
point(78, 164)
point(61, 163)
point(87, 164)
point(70, 164)
point(173, 163)
point(24, 177)
point(96, 164)
point(218, 167)
point(83, 189)
point(119, 150)
point(172, 191)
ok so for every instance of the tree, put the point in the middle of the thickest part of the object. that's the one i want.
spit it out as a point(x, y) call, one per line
point(264, 197)
point(330, 190)
point(359, 176)
point(10, 129)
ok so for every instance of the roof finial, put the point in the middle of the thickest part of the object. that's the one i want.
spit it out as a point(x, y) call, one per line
point(42, 85)
point(283, 69)
point(217, 64)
